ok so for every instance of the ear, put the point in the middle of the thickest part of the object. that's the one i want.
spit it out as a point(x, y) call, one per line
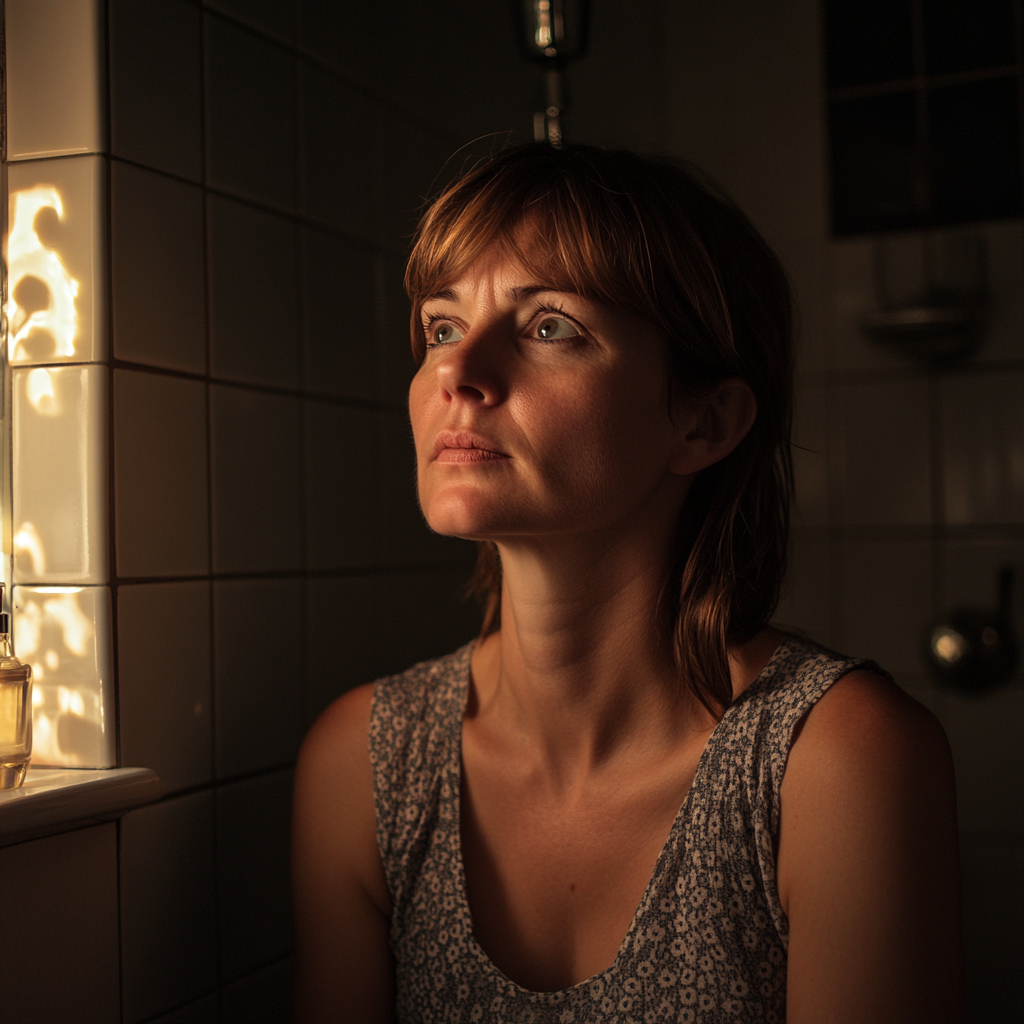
point(710, 428)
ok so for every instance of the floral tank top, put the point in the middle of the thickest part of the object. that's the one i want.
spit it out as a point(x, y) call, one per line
point(709, 939)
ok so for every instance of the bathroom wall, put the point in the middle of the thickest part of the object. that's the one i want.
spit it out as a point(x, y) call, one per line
point(265, 163)
point(910, 481)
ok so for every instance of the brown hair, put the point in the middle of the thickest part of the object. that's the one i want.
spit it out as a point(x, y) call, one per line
point(655, 239)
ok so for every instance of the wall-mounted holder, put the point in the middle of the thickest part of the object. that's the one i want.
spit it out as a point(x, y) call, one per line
point(973, 649)
point(932, 295)
point(551, 33)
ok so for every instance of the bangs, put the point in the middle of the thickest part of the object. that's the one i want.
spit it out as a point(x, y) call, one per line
point(569, 231)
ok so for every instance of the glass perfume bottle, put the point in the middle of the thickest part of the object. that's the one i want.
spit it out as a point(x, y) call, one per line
point(15, 709)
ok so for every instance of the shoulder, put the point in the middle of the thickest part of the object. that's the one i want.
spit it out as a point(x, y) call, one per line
point(867, 858)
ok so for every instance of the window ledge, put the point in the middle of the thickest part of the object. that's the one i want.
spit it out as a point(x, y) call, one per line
point(59, 799)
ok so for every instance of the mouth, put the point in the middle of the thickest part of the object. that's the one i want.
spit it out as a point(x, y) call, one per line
point(465, 447)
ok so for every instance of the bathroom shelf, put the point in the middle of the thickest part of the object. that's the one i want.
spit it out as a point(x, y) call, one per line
point(59, 799)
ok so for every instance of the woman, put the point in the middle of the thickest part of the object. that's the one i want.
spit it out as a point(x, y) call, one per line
point(631, 798)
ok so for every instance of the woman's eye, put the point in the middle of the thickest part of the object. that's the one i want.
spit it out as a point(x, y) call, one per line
point(443, 334)
point(552, 328)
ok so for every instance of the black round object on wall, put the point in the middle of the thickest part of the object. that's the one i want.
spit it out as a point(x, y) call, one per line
point(976, 649)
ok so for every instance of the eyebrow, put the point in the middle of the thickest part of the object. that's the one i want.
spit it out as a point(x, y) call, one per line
point(522, 292)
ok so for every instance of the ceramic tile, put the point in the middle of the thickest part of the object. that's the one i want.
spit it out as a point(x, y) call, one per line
point(164, 684)
point(63, 910)
point(340, 317)
point(993, 902)
point(362, 627)
point(396, 365)
point(257, 673)
point(250, 116)
point(156, 115)
point(342, 480)
point(879, 432)
point(159, 295)
point(984, 732)
point(343, 637)
point(205, 1010)
point(885, 602)
point(160, 475)
point(983, 447)
point(275, 17)
point(343, 37)
point(54, 77)
point(254, 295)
point(970, 573)
point(404, 185)
point(855, 294)
point(265, 996)
point(811, 453)
point(805, 604)
point(253, 885)
point(1004, 330)
point(168, 906)
point(257, 481)
point(60, 474)
point(337, 154)
point(809, 273)
point(56, 252)
point(65, 634)
point(405, 536)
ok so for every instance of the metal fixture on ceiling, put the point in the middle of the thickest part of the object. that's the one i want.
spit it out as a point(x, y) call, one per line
point(552, 33)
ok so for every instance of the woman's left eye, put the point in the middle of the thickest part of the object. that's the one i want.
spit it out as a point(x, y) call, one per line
point(553, 328)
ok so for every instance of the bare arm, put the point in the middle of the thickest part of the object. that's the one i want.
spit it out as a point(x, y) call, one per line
point(867, 862)
point(344, 970)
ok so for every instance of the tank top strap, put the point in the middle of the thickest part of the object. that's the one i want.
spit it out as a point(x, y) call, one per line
point(415, 739)
point(749, 750)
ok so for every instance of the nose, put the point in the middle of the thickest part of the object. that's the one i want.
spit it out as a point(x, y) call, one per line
point(472, 371)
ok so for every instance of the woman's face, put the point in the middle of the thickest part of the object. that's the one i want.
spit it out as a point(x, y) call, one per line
point(538, 412)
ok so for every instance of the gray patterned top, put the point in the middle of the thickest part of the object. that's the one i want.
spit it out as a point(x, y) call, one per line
point(709, 939)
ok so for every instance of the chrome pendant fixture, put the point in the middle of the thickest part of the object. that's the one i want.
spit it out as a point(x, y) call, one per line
point(552, 33)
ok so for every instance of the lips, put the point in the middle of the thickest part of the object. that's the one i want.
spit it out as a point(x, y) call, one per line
point(465, 447)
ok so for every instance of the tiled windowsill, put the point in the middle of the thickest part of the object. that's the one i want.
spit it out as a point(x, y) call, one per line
point(59, 799)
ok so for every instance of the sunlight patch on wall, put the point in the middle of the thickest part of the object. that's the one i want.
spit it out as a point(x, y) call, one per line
point(59, 471)
point(64, 634)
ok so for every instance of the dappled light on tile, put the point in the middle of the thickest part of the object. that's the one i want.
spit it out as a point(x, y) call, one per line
point(63, 633)
point(31, 262)
point(59, 470)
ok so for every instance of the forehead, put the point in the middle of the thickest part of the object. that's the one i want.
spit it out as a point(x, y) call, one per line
point(496, 274)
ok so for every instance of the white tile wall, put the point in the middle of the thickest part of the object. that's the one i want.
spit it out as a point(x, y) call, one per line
point(337, 176)
point(54, 79)
point(155, 85)
point(59, 959)
point(253, 883)
point(164, 681)
point(983, 447)
point(270, 16)
point(160, 476)
point(256, 477)
point(254, 294)
point(64, 633)
point(250, 116)
point(258, 674)
point(881, 467)
point(806, 603)
point(57, 211)
point(264, 995)
point(340, 355)
point(885, 602)
point(168, 906)
point(342, 486)
point(60, 474)
point(993, 901)
point(159, 294)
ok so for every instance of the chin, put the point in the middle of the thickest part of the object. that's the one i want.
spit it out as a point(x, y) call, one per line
point(469, 517)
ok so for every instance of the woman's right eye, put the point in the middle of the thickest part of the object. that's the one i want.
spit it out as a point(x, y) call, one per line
point(443, 334)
